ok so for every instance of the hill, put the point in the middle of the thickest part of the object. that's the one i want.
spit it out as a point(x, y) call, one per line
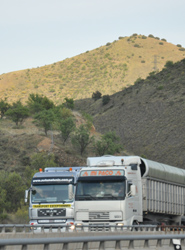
point(148, 116)
point(109, 69)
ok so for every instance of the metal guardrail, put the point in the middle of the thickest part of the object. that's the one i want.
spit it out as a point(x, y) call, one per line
point(27, 228)
point(47, 242)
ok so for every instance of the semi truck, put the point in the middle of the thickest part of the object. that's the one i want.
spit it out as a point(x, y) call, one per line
point(49, 202)
point(116, 191)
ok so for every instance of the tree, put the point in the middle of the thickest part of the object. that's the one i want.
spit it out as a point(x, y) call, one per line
point(89, 120)
point(81, 139)
point(105, 99)
point(69, 103)
point(169, 64)
point(62, 113)
point(2, 200)
point(37, 103)
point(108, 144)
point(66, 127)
point(17, 113)
point(45, 119)
point(15, 190)
point(14, 186)
point(4, 106)
point(96, 95)
point(41, 160)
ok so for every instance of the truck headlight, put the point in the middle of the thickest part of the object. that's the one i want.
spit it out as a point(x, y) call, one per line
point(120, 224)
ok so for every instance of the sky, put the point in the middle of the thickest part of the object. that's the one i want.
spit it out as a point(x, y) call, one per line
point(36, 33)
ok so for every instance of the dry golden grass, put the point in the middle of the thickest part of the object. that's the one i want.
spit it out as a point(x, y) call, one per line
point(109, 69)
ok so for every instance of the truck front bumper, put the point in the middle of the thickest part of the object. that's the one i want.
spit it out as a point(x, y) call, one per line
point(39, 226)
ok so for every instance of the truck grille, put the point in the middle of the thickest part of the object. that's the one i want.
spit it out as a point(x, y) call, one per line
point(51, 212)
point(98, 216)
point(99, 227)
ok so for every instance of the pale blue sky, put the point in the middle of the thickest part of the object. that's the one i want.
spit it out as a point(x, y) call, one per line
point(39, 32)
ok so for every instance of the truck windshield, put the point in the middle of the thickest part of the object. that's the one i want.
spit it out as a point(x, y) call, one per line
point(50, 193)
point(100, 190)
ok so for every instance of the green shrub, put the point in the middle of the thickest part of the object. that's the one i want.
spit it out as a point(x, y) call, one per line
point(151, 36)
point(161, 43)
point(168, 64)
point(182, 49)
point(42, 160)
point(108, 44)
point(160, 87)
point(152, 74)
point(136, 45)
point(105, 99)
point(96, 95)
point(108, 144)
point(178, 45)
point(164, 40)
point(138, 80)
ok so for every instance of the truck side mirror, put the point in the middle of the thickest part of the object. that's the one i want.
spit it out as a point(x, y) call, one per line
point(70, 192)
point(133, 190)
point(26, 196)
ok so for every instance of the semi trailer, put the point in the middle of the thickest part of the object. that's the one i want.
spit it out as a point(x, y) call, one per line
point(129, 190)
point(49, 202)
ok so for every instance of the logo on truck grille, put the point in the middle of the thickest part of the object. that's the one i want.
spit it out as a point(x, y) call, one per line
point(99, 216)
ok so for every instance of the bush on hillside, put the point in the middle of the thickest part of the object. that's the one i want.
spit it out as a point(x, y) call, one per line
point(4, 106)
point(41, 160)
point(105, 99)
point(182, 49)
point(137, 45)
point(96, 95)
point(108, 144)
point(69, 103)
point(168, 64)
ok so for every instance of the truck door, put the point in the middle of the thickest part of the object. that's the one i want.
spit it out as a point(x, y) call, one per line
point(131, 203)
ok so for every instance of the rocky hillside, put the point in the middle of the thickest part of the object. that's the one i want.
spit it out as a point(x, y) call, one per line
point(109, 69)
point(148, 116)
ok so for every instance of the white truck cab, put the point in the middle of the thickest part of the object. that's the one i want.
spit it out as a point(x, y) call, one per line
point(108, 192)
point(50, 202)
